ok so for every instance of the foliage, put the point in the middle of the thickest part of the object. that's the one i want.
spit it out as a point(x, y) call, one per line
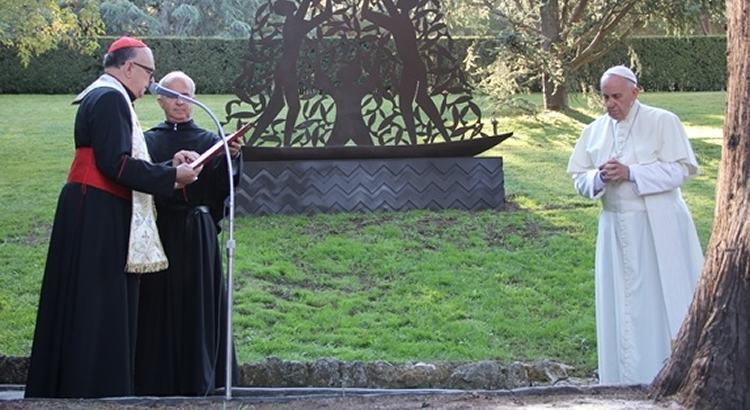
point(467, 18)
point(555, 39)
point(192, 18)
point(664, 64)
point(124, 17)
point(213, 63)
point(33, 27)
point(503, 80)
point(450, 285)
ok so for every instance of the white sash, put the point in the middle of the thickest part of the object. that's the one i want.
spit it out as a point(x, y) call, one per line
point(145, 251)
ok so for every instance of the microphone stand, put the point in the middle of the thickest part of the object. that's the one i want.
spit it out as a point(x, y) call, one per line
point(155, 89)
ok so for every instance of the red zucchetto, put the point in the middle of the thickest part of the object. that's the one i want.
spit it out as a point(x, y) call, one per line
point(125, 42)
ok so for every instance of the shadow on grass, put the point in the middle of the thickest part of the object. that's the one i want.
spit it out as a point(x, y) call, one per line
point(552, 128)
point(579, 116)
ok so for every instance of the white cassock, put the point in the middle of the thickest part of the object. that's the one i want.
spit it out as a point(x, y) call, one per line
point(648, 257)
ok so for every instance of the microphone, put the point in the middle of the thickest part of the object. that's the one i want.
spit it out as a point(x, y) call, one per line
point(155, 89)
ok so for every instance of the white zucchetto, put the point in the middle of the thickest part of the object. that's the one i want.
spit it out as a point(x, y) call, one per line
point(621, 71)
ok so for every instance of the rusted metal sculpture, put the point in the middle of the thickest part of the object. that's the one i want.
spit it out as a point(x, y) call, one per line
point(413, 85)
point(354, 74)
point(285, 83)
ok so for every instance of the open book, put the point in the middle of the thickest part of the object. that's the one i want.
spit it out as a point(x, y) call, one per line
point(218, 148)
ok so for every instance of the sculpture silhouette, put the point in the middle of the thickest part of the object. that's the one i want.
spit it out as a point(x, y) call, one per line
point(347, 96)
point(353, 73)
point(413, 83)
point(285, 86)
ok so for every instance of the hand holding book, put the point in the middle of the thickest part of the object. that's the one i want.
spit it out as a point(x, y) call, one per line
point(218, 148)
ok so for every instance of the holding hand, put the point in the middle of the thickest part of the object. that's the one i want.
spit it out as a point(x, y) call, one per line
point(186, 175)
point(235, 146)
point(614, 171)
point(184, 157)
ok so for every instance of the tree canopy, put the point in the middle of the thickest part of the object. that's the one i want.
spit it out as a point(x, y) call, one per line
point(195, 18)
point(32, 27)
point(553, 39)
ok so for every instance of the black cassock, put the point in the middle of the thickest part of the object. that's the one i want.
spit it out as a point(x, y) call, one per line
point(182, 310)
point(84, 340)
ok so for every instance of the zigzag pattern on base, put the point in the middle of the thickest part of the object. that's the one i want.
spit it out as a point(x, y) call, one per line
point(312, 186)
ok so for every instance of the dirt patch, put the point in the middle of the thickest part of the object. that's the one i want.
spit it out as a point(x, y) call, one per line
point(608, 398)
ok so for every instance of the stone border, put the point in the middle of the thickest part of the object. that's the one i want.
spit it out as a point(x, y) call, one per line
point(334, 373)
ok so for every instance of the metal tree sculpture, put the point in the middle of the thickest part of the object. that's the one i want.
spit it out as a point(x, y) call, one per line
point(353, 74)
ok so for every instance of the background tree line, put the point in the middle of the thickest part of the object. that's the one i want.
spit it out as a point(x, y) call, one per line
point(695, 63)
point(541, 44)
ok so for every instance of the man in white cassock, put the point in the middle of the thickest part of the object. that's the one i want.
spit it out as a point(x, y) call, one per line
point(648, 258)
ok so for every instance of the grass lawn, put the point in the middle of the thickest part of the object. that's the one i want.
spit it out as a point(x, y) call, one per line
point(450, 285)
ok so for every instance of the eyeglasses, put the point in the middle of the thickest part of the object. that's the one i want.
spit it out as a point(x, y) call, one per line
point(147, 69)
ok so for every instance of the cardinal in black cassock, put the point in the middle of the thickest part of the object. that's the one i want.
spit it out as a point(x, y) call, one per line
point(181, 347)
point(84, 341)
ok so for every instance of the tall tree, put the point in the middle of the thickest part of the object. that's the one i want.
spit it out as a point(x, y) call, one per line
point(32, 27)
point(125, 17)
point(709, 364)
point(556, 38)
point(196, 18)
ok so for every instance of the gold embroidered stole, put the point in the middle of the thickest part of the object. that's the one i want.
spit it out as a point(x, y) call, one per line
point(145, 251)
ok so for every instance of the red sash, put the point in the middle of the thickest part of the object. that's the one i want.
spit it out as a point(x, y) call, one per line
point(84, 171)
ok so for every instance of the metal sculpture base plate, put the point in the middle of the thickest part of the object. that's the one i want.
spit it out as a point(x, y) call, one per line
point(368, 185)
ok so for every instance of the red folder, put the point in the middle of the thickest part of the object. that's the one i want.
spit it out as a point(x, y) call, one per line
point(218, 148)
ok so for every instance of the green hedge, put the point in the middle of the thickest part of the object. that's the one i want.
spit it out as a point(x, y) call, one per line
point(683, 64)
point(669, 63)
point(213, 64)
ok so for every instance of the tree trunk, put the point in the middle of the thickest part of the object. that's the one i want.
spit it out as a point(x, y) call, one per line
point(555, 97)
point(706, 24)
point(710, 363)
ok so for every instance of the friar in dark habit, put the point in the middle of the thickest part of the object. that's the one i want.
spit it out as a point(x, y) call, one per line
point(104, 236)
point(182, 321)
